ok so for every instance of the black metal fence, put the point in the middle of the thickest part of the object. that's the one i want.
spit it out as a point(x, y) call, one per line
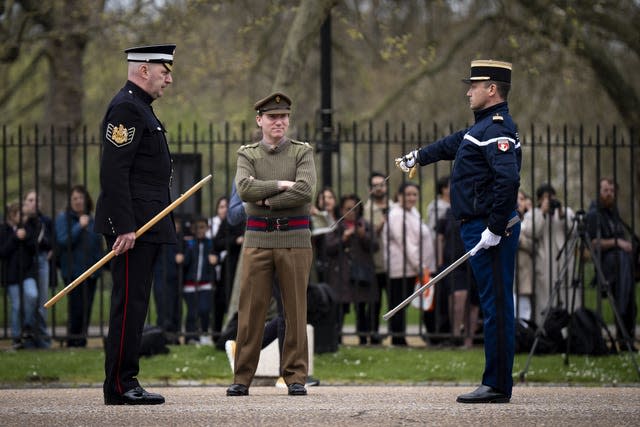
point(571, 158)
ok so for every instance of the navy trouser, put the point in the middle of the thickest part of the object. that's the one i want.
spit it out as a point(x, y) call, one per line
point(493, 269)
point(132, 274)
point(199, 307)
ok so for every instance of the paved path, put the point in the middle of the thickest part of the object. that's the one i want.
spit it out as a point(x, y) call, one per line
point(326, 405)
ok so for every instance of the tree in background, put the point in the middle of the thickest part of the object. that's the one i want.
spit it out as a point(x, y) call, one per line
point(51, 36)
point(393, 61)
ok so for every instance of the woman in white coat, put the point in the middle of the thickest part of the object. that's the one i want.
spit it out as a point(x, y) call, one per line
point(409, 250)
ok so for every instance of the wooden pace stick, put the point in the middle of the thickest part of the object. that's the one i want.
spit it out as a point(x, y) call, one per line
point(513, 221)
point(139, 233)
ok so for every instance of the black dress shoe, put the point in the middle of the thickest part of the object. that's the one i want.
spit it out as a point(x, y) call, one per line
point(135, 396)
point(238, 390)
point(483, 394)
point(296, 389)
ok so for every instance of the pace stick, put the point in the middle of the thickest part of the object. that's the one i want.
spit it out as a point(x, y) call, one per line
point(105, 259)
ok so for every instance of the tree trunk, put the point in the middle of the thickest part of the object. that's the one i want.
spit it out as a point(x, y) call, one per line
point(71, 23)
point(304, 32)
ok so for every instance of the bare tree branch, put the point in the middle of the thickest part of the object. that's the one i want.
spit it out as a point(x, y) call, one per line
point(23, 78)
point(426, 70)
point(304, 30)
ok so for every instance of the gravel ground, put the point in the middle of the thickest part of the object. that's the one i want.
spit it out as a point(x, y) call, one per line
point(326, 405)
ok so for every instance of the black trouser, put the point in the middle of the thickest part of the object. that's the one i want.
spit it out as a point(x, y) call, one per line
point(399, 290)
point(80, 304)
point(132, 274)
point(376, 306)
point(363, 324)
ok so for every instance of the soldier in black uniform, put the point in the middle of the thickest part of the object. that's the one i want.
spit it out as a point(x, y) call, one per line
point(135, 174)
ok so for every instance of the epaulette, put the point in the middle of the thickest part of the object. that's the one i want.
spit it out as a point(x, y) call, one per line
point(497, 118)
point(254, 145)
point(293, 141)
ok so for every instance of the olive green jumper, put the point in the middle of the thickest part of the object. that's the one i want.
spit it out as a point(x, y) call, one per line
point(260, 167)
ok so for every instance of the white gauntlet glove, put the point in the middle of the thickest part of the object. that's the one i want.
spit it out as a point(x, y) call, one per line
point(407, 162)
point(487, 239)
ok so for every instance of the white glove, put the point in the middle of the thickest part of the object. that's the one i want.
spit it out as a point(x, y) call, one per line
point(487, 239)
point(408, 161)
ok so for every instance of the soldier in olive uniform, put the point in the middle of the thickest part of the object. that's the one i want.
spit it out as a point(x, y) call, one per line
point(275, 178)
point(135, 174)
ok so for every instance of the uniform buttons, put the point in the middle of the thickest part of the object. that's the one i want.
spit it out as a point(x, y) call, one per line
point(159, 128)
point(130, 91)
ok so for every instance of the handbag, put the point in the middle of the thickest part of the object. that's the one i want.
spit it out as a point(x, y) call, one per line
point(425, 300)
point(361, 273)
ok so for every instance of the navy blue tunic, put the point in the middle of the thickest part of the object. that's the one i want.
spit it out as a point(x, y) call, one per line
point(484, 190)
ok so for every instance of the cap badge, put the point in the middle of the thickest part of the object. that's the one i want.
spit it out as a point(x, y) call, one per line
point(278, 99)
point(119, 135)
point(503, 145)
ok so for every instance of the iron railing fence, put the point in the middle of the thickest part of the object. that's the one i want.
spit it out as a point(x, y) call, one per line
point(571, 158)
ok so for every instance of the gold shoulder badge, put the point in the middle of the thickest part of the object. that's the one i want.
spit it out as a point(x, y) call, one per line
point(498, 118)
point(119, 135)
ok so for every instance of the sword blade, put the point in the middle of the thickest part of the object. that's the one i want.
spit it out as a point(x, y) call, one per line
point(513, 221)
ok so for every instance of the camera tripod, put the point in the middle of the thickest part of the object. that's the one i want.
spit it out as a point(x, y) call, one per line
point(582, 241)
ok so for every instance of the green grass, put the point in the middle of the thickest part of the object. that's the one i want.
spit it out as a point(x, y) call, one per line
point(350, 365)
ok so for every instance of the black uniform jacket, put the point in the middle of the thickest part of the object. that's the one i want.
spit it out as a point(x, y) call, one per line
point(135, 169)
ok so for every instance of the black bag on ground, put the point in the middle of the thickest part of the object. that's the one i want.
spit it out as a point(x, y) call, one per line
point(555, 332)
point(321, 313)
point(153, 341)
point(586, 334)
point(525, 335)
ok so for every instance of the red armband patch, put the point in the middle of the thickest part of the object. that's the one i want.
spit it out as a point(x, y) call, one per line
point(503, 145)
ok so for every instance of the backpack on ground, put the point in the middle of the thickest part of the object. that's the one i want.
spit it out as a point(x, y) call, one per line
point(554, 332)
point(153, 341)
point(525, 335)
point(586, 334)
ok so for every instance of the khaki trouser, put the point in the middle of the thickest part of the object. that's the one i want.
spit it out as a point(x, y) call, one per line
point(292, 267)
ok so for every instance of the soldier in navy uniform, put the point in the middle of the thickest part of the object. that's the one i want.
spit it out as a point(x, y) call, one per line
point(484, 190)
point(135, 175)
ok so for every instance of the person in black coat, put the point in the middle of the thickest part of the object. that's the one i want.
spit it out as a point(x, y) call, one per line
point(135, 178)
point(17, 254)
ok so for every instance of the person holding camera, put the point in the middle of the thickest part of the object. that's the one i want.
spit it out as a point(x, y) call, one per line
point(616, 253)
point(550, 225)
point(351, 272)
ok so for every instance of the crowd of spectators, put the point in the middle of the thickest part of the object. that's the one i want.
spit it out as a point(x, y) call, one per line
point(367, 251)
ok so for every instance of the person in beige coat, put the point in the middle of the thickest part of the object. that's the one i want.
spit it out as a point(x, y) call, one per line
point(523, 291)
point(550, 226)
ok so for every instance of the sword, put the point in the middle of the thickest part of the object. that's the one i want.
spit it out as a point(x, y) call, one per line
point(140, 231)
point(513, 221)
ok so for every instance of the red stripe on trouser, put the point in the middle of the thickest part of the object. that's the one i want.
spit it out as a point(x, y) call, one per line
point(124, 321)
